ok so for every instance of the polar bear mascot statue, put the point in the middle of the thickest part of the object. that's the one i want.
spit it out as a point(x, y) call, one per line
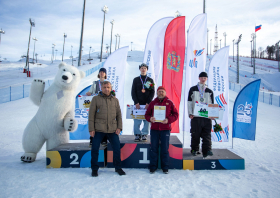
point(55, 116)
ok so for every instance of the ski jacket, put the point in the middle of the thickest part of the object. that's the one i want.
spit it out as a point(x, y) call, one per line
point(171, 113)
point(136, 91)
point(94, 89)
point(194, 96)
point(104, 114)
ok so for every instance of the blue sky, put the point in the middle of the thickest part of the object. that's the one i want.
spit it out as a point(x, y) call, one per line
point(133, 18)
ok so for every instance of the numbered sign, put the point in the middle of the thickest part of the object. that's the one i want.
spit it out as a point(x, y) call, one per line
point(74, 155)
point(137, 155)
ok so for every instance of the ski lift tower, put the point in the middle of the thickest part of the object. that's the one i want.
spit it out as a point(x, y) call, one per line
point(216, 45)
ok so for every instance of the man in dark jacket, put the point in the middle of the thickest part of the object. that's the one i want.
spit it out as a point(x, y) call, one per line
point(200, 126)
point(142, 95)
point(105, 119)
point(161, 130)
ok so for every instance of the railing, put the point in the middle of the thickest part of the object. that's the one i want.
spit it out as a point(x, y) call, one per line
point(264, 97)
point(16, 92)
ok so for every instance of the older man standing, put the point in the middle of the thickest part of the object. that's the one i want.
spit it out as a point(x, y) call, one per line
point(160, 130)
point(105, 119)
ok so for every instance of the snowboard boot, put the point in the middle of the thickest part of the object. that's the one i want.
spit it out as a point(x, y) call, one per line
point(120, 172)
point(137, 138)
point(144, 138)
point(94, 173)
point(152, 171)
point(165, 171)
point(208, 153)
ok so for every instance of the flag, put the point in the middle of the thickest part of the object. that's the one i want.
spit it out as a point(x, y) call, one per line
point(173, 63)
point(115, 66)
point(195, 61)
point(245, 112)
point(153, 54)
point(257, 28)
point(218, 83)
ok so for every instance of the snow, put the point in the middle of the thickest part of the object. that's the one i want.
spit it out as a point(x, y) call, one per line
point(259, 179)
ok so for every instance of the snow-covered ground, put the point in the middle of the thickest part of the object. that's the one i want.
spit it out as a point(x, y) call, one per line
point(260, 178)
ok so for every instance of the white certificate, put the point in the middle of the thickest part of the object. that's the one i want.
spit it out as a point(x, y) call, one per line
point(159, 113)
point(84, 101)
point(200, 110)
point(140, 111)
point(213, 111)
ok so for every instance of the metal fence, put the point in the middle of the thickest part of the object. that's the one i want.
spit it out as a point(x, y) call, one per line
point(12, 93)
point(264, 97)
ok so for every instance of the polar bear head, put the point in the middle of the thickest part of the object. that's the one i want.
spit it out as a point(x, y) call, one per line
point(68, 77)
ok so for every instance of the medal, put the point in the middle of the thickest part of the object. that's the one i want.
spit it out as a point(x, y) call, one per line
point(201, 92)
point(143, 89)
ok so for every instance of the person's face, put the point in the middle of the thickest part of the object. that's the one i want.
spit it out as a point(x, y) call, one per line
point(106, 89)
point(161, 93)
point(202, 80)
point(102, 74)
point(143, 70)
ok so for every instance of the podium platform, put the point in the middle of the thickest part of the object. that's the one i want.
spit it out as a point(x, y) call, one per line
point(137, 154)
point(222, 159)
point(74, 155)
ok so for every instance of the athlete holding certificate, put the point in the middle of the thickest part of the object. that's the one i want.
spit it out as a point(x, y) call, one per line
point(161, 113)
point(200, 126)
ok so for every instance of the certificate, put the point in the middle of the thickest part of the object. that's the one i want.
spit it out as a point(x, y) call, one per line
point(200, 110)
point(84, 101)
point(213, 111)
point(159, 113)
point(140, 111)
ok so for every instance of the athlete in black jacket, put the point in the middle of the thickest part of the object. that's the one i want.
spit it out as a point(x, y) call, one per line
point(142, 96)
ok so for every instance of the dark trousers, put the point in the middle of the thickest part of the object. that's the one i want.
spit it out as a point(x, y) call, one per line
point(163, 137)
point(115, 142)
point(201, 128)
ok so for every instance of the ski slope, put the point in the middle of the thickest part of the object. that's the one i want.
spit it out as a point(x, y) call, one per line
point(260, 178)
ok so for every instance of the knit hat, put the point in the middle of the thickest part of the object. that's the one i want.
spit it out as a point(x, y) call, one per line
point(143, 65)
point(161, 87)
point(203, 74)
point(103, 69)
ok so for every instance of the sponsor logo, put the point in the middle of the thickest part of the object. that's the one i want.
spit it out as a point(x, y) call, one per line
point(193, 63)
point(173, 61)
point(149, 58)
point(81, 116)
point(244, 113)
point(221, 100)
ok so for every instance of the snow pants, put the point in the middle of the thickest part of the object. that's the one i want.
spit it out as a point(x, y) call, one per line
point(201, 128)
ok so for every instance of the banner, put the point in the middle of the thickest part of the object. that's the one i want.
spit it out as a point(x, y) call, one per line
point(195, 61)
point(153, 54)
point(173, 63)
point(116, 66)
point(245, 112)
point(218, 82)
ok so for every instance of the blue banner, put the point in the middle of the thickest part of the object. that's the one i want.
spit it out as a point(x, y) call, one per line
point(245, 112)
point(81, 115)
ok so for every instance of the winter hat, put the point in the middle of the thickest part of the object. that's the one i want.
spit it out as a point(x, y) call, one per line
point(203, 74)
point(143, 65)
point(103, 69)
point(161, 87)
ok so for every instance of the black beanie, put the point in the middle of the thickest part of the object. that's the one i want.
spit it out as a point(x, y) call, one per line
point(103, 69)
point(203, 74)
point(143, 65)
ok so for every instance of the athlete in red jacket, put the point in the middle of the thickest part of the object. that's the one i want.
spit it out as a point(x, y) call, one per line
point(160, 130)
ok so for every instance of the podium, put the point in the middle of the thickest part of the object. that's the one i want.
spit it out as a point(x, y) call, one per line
point(222, 159)
point(74, 155)
point(137, 154)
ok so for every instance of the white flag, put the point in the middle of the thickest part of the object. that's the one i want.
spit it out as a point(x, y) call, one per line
point(116, 66)
point(195, 61)
point(219, 84)
point(153, 54)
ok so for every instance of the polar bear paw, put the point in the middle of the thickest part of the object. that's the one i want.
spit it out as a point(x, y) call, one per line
point(28, 157)
point(70, 124)
point(38, 83)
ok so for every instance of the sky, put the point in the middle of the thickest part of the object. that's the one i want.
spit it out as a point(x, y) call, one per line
point(133, 19)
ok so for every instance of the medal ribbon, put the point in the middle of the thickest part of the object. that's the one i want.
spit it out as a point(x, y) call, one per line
point(142, 80)
point(100, 85)
point(201, 92)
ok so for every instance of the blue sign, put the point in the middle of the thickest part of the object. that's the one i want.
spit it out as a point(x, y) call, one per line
point(245, 112)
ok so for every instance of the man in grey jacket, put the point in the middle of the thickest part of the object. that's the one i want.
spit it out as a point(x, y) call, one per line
point(105, 119)
point(200, 126)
